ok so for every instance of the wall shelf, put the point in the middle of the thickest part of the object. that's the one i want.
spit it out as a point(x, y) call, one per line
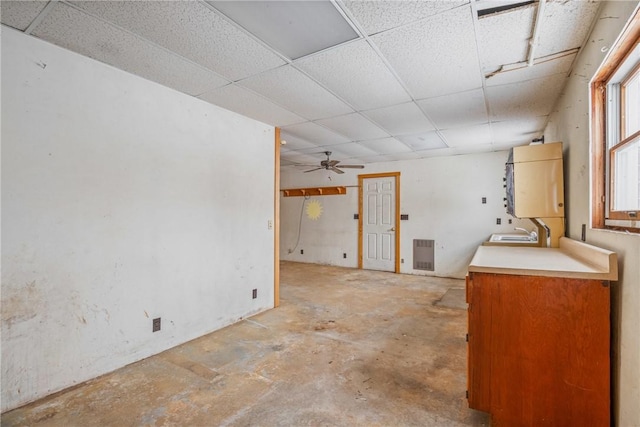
point(314, 191)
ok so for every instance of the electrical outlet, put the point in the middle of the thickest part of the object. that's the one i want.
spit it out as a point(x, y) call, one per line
point(301, 251)
point(254, 294)
point(156, 324)
point(510, 221)
point(401, 260)
point(344, 255)
point(270, 224)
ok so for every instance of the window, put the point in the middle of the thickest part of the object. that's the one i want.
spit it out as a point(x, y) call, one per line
point(615, 92)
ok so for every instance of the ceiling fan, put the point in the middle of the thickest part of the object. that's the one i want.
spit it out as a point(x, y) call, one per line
point(332, 165)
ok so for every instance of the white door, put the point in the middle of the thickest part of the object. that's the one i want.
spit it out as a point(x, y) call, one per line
point(378, 225)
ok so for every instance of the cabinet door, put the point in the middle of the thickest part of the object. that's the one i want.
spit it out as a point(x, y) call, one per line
point(479, 341)
point(550, 351)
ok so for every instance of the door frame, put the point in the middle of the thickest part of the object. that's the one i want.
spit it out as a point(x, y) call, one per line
point(361, 179)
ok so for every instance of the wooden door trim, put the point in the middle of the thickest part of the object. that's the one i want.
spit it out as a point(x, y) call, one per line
point(276, 220)
point(361, 179)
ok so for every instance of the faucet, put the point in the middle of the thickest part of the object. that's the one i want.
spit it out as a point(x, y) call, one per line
point(533, 236)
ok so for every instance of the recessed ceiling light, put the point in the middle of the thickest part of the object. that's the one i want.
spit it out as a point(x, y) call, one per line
point(293, 28)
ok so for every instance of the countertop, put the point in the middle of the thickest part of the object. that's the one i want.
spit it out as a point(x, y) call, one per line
point(572, 259)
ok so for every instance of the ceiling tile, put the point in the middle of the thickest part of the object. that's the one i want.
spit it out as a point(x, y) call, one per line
point(284, 162)
point(294, 91)
point(378, 158)
point(565, 25)
point(357, 74)
point(518, 131)
point(377, 16)
point(353, 126)
point(386, 146)
point(351, 149)
point(470, 149)
point(437, 152)
point(503, 38)
point(293, 28)
point(20, 14)
point(458, 109)
point(314, 133)
point(193, 30)
point(436, 56)
point(410, 155)
point(542, 69)
point(294, 143)
point(526, 99)
point(402, 119)
point(468, 135)
point(247, 103)
point(299, 158)
point(89, 36)
point(423, 141)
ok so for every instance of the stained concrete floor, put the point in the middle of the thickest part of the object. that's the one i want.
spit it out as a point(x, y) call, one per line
point(346, 347)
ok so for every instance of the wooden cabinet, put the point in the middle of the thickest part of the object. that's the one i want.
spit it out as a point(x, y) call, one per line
point(538, 352)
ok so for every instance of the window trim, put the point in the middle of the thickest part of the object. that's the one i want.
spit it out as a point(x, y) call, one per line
point(635, 72)
point(617, 55)
point(613, 214)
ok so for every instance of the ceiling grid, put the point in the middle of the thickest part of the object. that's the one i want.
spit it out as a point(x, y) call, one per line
point(420, 78)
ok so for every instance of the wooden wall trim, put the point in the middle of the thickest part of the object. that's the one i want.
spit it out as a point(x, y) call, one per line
point(276, 220)
point(360, 201)
point(598, 150)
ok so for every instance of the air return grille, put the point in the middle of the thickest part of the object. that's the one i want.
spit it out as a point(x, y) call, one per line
point(423, 254)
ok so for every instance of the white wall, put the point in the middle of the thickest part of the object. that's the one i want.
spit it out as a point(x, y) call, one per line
point(441, 195)
point(570, 123)
point(118, 206)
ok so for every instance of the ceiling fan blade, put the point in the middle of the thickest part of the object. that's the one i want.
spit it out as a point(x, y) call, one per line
point(336, 170)
point(332, 163)
point(311, 170)
point(351, 166)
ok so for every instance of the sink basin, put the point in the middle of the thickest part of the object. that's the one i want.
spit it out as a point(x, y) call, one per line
point(512, 238)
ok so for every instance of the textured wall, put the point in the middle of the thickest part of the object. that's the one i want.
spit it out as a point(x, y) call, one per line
point(119, 206)
point(442, 196)
point(570, 123)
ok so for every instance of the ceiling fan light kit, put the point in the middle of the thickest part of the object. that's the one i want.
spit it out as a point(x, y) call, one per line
point(332, 165)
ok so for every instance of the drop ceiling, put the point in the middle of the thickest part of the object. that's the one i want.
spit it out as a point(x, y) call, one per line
point(370, 81)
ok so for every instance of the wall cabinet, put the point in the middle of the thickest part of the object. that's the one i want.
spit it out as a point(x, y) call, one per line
point(538, 352)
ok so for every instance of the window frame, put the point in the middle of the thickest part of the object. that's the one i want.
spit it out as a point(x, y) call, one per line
point(600, 189)
point(635, 72)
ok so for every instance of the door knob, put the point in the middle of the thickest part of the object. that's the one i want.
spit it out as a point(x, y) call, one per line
point(392, 229)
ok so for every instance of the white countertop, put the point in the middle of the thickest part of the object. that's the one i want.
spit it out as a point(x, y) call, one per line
point(572, 259)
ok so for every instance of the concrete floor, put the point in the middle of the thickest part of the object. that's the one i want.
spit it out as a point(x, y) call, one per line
point(346, 347)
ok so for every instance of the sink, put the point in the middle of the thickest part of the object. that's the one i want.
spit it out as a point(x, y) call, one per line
point(512, 238)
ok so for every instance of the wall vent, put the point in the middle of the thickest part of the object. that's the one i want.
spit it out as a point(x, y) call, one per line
point(423, 254)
